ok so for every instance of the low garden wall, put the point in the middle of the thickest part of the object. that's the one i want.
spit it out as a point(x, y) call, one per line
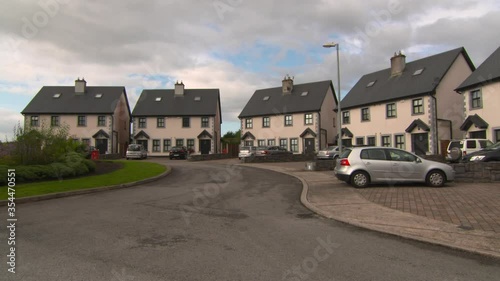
point(477, 172)
point(204, 157)
point(110, 156)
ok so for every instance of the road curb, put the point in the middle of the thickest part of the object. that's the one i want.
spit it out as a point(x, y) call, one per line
point(86, 191)
point(312, 207)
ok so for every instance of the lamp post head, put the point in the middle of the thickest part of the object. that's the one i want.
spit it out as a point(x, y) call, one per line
point(330, 45)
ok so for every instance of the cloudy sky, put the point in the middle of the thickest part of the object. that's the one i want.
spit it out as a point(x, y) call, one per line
point(237, 46)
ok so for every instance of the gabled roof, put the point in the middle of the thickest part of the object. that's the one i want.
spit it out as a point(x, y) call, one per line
point(205, 133)
point(418, 123)
point(406, 85)
point(141, 134)
point(101, 133)
point(194, 102)
point(346, 132)
point(474, 120)
point(308, 131)
point(68, 102)
point(295, 102)
point(487, 72)
point(248, 135)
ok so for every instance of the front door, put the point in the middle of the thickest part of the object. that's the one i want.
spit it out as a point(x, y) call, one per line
point(420, 143)
point(144, 144)
point(205, 146)
point(101, 145)
point(309, 145)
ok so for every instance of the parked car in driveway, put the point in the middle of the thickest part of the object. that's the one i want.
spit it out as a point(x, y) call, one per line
point(178, 152)
point(330, 152)
point(458, 149)
point(361, 166)
point(136, 151)
point(247, 151)
point(488, 154)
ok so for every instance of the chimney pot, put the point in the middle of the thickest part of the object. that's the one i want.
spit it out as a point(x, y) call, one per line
point(80, 86)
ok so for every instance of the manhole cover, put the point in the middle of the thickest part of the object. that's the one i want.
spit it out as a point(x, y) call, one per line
point(305, 216)
point(466, 227)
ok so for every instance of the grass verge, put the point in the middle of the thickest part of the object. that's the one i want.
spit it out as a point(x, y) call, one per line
point(132, 171)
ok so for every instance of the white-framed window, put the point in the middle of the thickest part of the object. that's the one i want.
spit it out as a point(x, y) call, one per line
point(167, 144)
point(365, 114)
point(101, 121)
point(156, 146)
point(288, 120)
point(476, 99)
point(160, 122)
point(142, 122)
point(385, 141)
point(261, 142)
point(308, 119)
point(284, 143)
point(417, 106)
point(294, 145)
point(81, 121)
point(399, 141)
point(248, 123)
point(266, 122)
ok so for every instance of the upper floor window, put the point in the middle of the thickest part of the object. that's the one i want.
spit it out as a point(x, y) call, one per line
point(204, 122)
point(418, 106)
point(34, 121)
point(266, 122)
point(346, 117)
point(142, 122)
point(248, 123)
point(82, 120)
point(160, 122)
point(308, 119)
point(390, 110)
point(186, 122)
point(365, 114)
point(475, 99)
point(101, 121)
point(288, 120)
point(54, 121)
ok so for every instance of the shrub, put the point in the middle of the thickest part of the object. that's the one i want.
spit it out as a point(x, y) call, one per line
point(90, 164)
point(61, 170)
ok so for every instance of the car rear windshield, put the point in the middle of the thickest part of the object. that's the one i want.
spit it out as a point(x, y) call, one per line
point(134, 147)
point(345, 153)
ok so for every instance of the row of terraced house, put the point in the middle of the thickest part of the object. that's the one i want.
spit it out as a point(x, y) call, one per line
point(418, 106)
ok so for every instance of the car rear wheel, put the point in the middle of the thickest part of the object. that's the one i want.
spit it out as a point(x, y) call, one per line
point(360, 179)
point(435, 178)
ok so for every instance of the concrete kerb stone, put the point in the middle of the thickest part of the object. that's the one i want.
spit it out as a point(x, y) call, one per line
point(86, 191)
point(372, 227)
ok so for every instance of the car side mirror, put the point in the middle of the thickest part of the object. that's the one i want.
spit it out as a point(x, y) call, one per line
point(418, 160)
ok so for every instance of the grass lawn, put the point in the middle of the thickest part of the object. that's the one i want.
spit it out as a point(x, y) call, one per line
point(131, 171)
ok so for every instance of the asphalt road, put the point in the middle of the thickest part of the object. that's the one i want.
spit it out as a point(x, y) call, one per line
point(210, 221)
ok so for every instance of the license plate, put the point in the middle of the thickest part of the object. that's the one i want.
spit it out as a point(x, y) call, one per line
point(176, 154)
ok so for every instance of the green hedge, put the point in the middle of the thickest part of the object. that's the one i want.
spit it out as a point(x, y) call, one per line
point(71, 165)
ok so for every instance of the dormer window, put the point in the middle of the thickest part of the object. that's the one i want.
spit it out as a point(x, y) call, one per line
point(266, 98)
point(371, 84)
point(158, 99)
point(98, 96)
point(418, 72)
point(56, 95)
point(304, 94)
point(197, 98)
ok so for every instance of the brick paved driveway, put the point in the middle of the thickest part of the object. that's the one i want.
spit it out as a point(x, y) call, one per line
point(475, 205)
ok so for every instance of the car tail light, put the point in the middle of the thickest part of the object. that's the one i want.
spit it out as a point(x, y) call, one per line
point(344, 162)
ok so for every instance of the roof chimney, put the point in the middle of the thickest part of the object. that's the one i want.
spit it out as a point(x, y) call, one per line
point(287, 84)
point(80, 86)
point(179, 89)
point(398, 62)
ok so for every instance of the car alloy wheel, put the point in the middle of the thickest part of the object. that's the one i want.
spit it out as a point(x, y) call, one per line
point(435, 178)
point(360, 179)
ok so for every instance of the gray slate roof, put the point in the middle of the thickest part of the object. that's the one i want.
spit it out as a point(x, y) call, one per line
point(71, 103)
point(406, 85)
point(289, 103)
point(178, 106)
point(487, 72)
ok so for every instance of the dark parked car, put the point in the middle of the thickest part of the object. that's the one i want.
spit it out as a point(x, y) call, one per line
point(178, 152)
point(273, 150)
point(490, 153)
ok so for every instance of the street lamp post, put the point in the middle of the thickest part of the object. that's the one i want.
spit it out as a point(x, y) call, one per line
point(339, 112)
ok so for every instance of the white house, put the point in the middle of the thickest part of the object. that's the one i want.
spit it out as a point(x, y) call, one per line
point(299, 118)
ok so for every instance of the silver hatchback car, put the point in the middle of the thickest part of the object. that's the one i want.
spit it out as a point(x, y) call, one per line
point(361, 166)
